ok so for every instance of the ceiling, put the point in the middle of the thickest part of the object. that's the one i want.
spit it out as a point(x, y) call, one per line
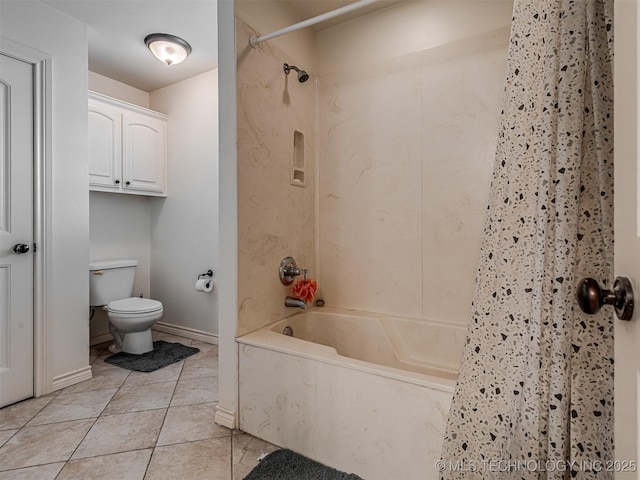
point(117, 28)
point(116, 31)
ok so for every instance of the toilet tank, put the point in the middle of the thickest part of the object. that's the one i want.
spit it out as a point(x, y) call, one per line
point(111, 280)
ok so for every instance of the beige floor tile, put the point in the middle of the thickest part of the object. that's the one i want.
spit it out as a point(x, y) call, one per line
point(121, 466)
point(43, 444)
point(5, 435)
point(209, 348)
point(245, 453)
point(197, 367)
point(17, 416)
point(121, 433)
point(168, 337)
point(190, 423)
point(41, 472)
point(105, 376)
point(73, 406)
point(137, 398)
point(203, 460)
point(170, 373)
point(195, 390)
point(96, 350)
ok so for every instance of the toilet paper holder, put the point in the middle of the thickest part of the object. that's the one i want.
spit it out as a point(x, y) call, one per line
point(208, 273)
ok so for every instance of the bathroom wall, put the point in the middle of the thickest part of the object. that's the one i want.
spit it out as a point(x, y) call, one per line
point(267, 16)
point(173, 238)
point(64, 40)
point(275, 218)
point(119, 224)
point(184, 226)
point(121, 91)
point(119, 228)
point(408, 120)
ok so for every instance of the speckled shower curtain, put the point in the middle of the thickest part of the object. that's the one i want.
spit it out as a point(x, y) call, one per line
point(534, 397)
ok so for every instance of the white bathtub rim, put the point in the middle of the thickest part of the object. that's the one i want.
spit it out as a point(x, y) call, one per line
point(277, 342)
point(377, 315)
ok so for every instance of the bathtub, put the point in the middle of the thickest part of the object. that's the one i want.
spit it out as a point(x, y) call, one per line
point(361, 392)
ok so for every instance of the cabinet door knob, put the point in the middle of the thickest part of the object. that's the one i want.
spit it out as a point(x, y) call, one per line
point(127, 183)
point(117, 182)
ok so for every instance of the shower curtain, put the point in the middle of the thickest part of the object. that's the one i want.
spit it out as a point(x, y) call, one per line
point(534, 397)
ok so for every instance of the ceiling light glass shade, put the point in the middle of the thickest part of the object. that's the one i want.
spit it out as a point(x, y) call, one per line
point(167, 48)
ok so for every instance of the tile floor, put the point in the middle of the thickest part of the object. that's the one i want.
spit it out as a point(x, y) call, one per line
point(129, 426)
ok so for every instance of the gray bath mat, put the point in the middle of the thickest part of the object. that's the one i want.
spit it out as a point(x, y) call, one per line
point(163, 354)
point(288, 465)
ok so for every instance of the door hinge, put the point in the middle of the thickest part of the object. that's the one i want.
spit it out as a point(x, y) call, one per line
point(34, 248)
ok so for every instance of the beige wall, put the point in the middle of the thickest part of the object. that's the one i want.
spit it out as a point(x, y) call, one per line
point(407, 120)
point(121, 91)
point(267, 16)
point(64, 41)
point(119, 224)
point(275, 218)
point(175, 238)
point(184, 226)
point(409, 107)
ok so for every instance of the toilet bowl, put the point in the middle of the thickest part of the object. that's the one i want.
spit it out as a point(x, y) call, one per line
point(130, 322)
point(130, 318)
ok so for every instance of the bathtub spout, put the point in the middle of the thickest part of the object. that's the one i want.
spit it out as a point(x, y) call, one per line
point(294, 302)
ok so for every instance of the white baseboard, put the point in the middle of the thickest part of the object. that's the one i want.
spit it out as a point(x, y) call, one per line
point(191, 333)
point(225, 417)
point(71, 378)
point(98, 339)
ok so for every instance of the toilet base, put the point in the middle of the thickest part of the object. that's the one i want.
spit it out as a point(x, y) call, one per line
point(137, 342)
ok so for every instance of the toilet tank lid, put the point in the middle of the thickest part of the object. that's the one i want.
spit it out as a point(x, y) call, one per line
point(107, 264)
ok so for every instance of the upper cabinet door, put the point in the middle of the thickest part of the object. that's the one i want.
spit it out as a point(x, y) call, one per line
point(105, 140)
point(144, 153)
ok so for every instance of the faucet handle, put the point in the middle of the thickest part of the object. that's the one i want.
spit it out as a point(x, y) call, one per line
point(289, 270)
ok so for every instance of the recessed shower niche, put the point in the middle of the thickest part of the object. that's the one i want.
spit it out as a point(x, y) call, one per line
point(297, 160)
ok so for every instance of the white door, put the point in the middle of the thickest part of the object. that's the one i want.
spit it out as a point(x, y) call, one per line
point(627, 230)
point(16, 230)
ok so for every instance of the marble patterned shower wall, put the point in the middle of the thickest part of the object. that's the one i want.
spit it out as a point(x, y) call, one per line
point(407, 135)
point(275, 218)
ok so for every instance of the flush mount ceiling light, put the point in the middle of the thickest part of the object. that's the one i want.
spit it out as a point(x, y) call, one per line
point(167, 48)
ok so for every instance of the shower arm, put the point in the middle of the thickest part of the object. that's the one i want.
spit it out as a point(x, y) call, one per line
point(255, 40)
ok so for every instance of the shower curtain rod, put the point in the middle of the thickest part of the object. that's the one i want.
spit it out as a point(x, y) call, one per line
point(254, 41)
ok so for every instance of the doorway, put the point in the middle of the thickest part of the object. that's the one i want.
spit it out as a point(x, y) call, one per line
point(16, 230)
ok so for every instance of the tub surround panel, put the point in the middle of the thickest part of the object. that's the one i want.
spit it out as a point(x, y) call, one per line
point(406, 148)
point(370, 187)
point(275, 219)
point(267, 16)
point(409, 27)
point(462, 88)
point(376, 427)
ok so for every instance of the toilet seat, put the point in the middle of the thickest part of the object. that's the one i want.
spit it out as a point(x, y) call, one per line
point(134, 305)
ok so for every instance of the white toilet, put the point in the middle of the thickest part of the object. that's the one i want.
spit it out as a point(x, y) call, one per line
point(130, 318)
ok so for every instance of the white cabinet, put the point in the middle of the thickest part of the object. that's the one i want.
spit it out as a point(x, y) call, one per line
point(127, 147)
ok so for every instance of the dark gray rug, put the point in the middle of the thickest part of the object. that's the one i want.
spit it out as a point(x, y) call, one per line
point(163, 354)
point(288, 465)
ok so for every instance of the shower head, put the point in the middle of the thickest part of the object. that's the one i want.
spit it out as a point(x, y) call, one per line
point(302, 75)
